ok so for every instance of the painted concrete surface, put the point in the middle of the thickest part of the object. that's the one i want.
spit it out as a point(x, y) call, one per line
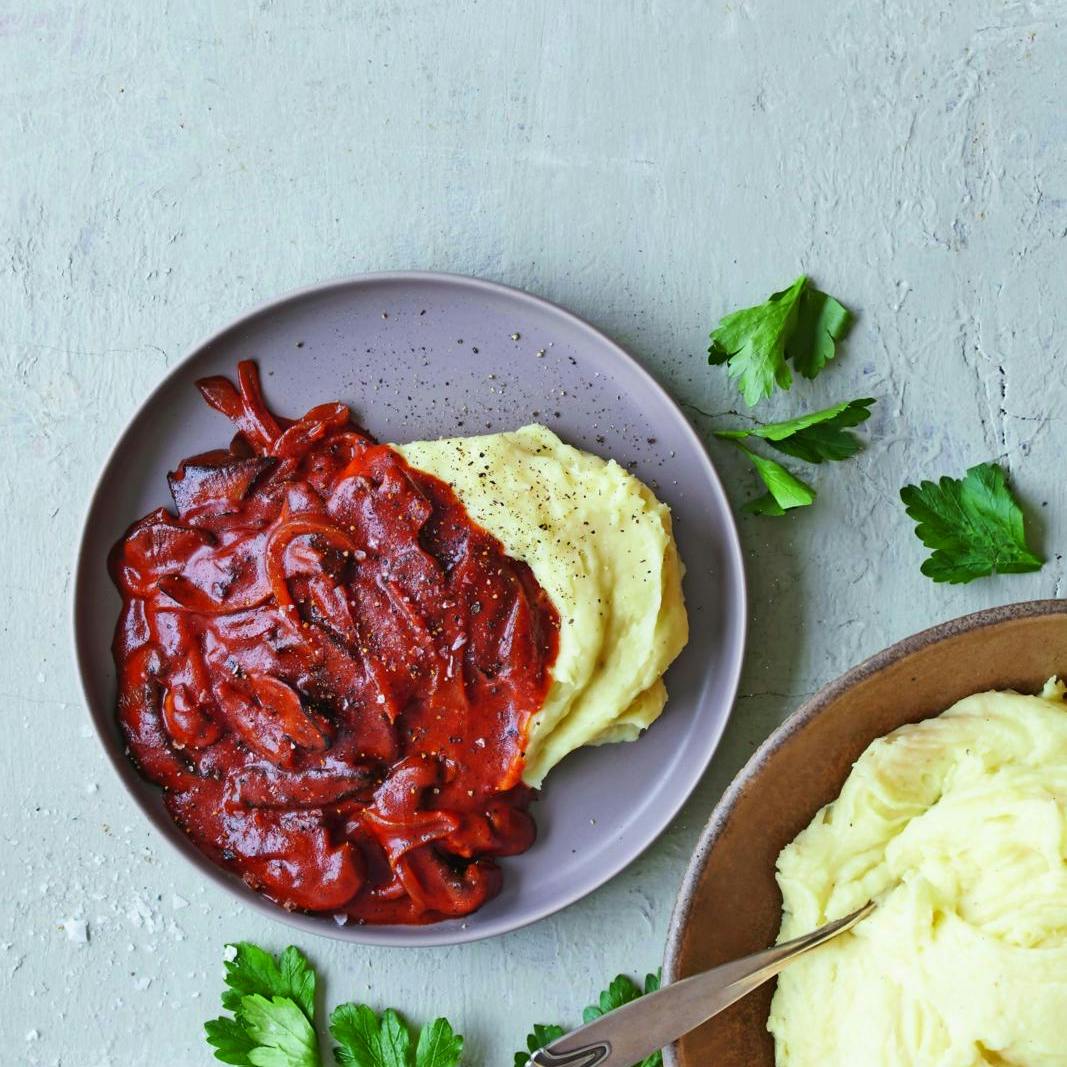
point(650, 165)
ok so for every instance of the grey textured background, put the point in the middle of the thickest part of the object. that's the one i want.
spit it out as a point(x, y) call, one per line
point(650, 165)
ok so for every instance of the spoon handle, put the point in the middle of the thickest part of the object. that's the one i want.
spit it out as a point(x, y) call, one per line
point(630, 1033)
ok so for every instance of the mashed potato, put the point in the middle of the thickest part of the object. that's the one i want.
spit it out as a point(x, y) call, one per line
point(958, 826)
point(601, 546)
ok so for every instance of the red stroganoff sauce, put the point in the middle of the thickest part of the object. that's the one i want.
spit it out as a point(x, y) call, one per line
point(329, 668)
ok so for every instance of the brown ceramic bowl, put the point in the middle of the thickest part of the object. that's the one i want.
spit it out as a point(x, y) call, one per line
point(729, 903)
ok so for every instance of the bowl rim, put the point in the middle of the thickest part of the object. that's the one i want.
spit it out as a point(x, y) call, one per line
point(441, 934)
point(808, 710)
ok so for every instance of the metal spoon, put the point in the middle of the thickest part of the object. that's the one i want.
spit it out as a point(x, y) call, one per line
point(627, 1035)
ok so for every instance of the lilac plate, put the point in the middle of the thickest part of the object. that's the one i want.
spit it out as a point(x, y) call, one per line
point(432, 355)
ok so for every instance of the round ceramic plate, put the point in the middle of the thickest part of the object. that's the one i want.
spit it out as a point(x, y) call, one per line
point(429, 355)
point(729, 904)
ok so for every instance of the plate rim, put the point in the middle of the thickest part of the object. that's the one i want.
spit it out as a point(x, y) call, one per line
point(439, 934)
point(808, 710)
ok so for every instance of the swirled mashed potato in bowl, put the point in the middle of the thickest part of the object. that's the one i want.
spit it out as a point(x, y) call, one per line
point(958, 827)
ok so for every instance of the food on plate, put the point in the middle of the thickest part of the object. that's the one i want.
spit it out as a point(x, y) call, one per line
point(958, 826)
point(347, 664)
point(600, 545)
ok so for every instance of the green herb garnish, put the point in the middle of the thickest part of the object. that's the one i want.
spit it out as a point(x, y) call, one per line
point(818, 437)
point(272, 1022)
point(814, 438)
point(799, 324)
point(272, 1001)
point(973, 524)
point(366, 1040)
point(784, 489)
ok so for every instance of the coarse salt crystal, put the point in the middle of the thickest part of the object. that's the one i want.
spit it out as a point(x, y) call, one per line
point(77, 930)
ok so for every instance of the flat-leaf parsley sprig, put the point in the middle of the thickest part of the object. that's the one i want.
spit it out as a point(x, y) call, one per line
point(271, 1001)
point(973, 524)
point(272, 1021)
point(817, 437)
point(365, 1039)
point(799, 325)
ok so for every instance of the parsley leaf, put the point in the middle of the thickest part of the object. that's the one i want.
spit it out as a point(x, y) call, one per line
point(230, 1040)
point(365, 1040)
point(272, 1001)
point(764, 504)
point(273, 1006)
point(818, 436)
point(822, 321)
point(800, 324)
point(283, 1035)
point(751, 343)
point(784, 490)
point(537, 1038)
point(254, 971)
point(438, 1045)
point(974, 526)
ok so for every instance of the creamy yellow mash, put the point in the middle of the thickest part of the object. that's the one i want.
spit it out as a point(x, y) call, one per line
point(600, 544)
point(958, 827)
